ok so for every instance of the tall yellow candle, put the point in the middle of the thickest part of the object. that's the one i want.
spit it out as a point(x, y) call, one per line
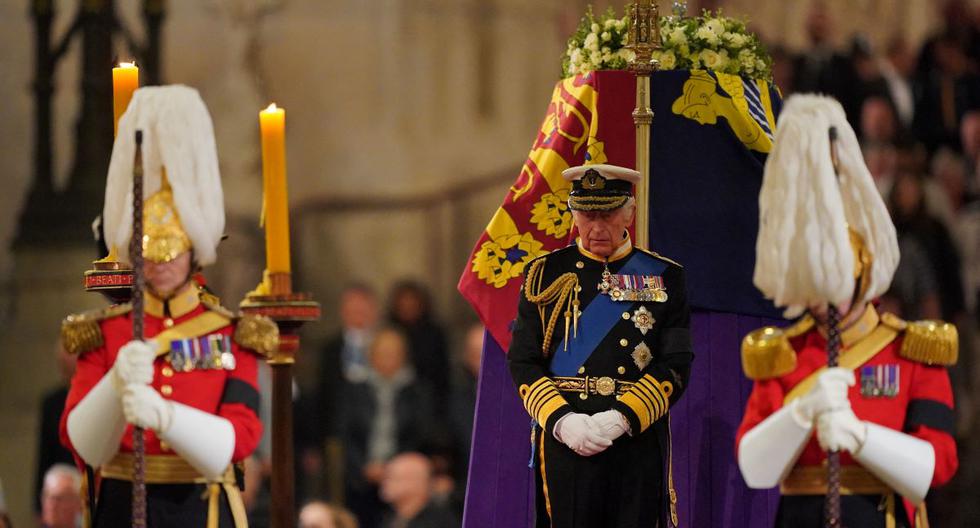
point(125, 81)
point(275, 203)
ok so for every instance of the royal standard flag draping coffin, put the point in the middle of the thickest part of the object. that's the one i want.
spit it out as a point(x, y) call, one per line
point(710, 136)
point(534, 218)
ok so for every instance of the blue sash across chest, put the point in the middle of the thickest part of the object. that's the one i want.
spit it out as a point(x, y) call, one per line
point(599, 318)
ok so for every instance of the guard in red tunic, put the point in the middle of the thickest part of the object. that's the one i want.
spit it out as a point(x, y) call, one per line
point(192, 383)
point(826, 238)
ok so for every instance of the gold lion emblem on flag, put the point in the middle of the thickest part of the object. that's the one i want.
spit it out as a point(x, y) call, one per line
point(503, 258)
point(551, 215)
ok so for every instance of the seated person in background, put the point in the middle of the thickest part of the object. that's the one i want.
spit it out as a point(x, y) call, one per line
point(61, 497)
point(319, 514)
point(407, 488)
point(387, 414)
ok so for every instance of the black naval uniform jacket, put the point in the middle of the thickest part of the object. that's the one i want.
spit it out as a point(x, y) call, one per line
point(639, 373)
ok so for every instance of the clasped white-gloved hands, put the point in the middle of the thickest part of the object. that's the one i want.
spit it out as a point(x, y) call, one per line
point(144, 407)
point(612, 424)
point(829, 393)
point(841, 430)
point(134, 364)
point(582, 434)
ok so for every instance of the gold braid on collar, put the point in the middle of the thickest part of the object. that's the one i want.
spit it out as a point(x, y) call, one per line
point(561, 293)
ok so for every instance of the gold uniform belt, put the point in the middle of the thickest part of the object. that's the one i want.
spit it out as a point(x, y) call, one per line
point(603, 386)
point(854, 480)
point(172, 469)
point(812, 480)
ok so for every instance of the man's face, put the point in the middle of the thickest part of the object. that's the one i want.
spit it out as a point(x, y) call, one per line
point(358, 310)
point(388, 354)
point(61, 503)
point(602, 231)
point(405, 476)
point(316, 515)
point(165, 278)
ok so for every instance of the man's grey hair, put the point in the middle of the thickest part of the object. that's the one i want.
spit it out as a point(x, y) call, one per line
point(63, 470)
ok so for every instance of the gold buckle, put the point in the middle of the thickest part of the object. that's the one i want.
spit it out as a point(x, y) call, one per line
point(605, 386)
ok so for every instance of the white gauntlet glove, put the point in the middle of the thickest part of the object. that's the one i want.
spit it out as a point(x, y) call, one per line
point(841, 431)
point(829, 393)
point(581, 433)
point(144, 407)
point(612, 424)
point(768, 451)
point(134, 364)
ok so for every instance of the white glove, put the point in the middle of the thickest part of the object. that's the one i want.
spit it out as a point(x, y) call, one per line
point(134, 364)
point(144, 407)
point(829, 393)
point(581, 433)
point(612, 424)
point(841, 431)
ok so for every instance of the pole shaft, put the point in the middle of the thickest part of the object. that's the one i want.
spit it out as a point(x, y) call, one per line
point(832, 511)
point(136, 255)
point(642, 118)
point(283, 498)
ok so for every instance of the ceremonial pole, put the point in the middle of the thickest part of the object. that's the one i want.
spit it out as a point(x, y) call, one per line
point(832, 511)
point(275, 299)
point(644, 39)
point(136, 256)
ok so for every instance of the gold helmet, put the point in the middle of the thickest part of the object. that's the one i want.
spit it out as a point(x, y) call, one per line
point(863, 260)
point(164, 239)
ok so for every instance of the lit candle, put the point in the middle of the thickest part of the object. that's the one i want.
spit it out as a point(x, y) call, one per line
point(125, 81)
point(275, 203)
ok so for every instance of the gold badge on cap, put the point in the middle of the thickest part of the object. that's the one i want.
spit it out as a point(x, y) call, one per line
point(593, 181)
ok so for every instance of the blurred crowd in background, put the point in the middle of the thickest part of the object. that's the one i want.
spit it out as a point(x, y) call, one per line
point(383, 432)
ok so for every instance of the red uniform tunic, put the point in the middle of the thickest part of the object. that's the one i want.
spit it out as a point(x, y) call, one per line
point(231, 394)
point(229, 391)
point(921, 407)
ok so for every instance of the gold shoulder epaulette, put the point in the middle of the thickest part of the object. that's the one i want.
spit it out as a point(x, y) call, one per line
point(81, 332)
point(258, 333)
point(656, 255)
point(930, 342)
point(766, 353)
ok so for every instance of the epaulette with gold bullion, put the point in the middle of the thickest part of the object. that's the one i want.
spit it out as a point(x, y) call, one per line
point(656, 255)
point(258, 333)
point(81, 332)
point(767, 352)
point(929, 342)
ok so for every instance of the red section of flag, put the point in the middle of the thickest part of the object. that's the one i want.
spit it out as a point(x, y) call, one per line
point(589, 118)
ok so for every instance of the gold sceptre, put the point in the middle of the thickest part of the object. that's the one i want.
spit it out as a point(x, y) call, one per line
point(644, 39)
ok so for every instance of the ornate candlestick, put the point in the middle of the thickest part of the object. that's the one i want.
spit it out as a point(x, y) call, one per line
point(290, 310)
point(275, 299)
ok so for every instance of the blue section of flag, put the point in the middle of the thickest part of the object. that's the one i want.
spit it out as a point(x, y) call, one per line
point(704, 196)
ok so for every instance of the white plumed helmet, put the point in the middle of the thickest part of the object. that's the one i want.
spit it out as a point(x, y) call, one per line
point(179, 149)
point(804, 252)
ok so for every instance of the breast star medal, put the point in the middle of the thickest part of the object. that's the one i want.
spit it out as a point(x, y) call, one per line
point(641, 355)
point(643, 320)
